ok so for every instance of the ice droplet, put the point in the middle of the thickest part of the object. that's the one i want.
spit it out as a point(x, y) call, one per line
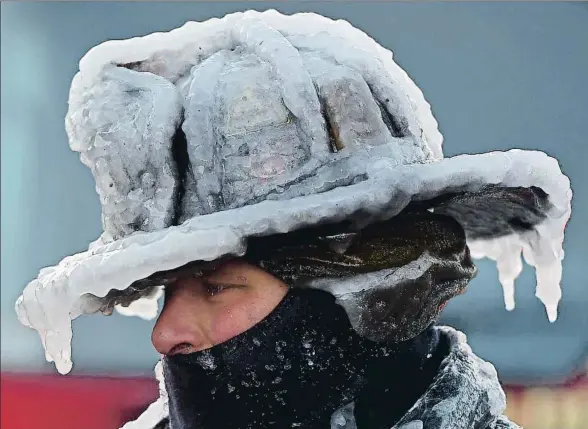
point(206, 361)
point(339, 420)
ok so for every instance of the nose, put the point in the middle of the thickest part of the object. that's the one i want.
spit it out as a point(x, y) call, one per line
point(181, 326)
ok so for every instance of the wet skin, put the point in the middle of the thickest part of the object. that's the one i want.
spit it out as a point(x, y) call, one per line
point(202, 311)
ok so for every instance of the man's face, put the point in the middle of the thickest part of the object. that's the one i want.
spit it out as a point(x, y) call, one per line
point(203, 311)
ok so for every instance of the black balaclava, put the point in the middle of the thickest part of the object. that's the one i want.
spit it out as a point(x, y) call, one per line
point(295, 368)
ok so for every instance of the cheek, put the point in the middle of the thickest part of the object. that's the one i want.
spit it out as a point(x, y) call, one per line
point(230, 320)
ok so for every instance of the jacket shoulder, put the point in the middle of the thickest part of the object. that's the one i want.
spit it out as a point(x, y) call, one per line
point(465, 394)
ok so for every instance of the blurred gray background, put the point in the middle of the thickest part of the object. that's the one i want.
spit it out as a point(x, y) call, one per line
point(498, 75)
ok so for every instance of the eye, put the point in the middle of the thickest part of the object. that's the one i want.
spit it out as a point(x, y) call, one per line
point(213, 289)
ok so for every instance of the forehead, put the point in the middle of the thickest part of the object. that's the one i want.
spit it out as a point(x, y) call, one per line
point(171, 277)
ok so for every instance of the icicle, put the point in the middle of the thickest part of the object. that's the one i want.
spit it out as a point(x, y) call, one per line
point(57, 344)
point(545, 253)
point(509, 266)
point(541, 249)
point(506, 252)
point(548, 288)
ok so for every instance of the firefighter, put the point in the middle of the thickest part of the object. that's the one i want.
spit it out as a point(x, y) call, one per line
point(283, 180)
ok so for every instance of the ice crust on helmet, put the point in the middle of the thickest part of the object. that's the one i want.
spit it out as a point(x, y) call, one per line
point(136, 180)
point(257, 88)
point(387, 190)
point(138, 91)
point(172, 54)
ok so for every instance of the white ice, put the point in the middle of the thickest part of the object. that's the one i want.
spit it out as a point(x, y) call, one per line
point(75, 285)
point(145, 307)
point(45, 301)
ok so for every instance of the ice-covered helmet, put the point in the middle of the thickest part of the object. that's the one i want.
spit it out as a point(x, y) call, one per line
point(216, 133)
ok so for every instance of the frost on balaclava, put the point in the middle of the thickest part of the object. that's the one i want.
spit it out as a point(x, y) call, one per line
point(307, 359)
point(295, 369)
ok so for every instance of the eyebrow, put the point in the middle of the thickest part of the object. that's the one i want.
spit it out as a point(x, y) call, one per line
point(236, 285)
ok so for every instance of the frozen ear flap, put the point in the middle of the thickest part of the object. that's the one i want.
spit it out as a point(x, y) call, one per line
point(391, 278)
point(500, 223)
point(338, 250)
point(398, 303)
point(495, 211)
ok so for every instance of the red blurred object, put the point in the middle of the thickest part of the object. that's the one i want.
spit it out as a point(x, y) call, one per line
point(34, 401)
point(31, 401)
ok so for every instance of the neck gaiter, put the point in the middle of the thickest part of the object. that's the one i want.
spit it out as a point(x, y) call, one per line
point(293, 370)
